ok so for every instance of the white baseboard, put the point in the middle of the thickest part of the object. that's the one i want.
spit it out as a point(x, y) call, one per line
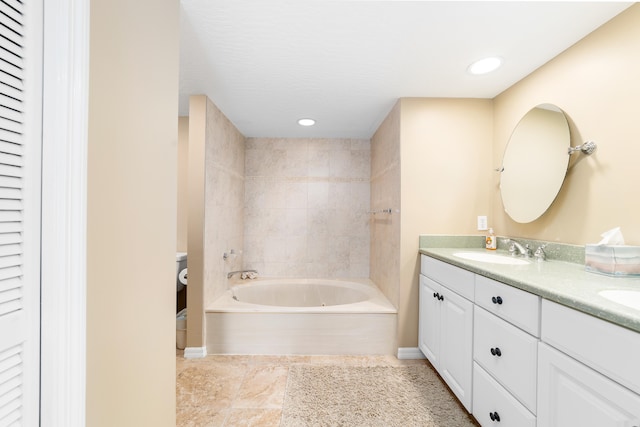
point(195, 352)
point(410, 353)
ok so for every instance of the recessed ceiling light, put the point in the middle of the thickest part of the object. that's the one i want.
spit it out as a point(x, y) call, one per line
point(306, 122)
point(485, 65)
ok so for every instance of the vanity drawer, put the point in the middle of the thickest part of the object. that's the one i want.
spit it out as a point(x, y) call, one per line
point(455, 278)
point(490, 398)
point(514, 305)
point(508, 353)
point(609, 349)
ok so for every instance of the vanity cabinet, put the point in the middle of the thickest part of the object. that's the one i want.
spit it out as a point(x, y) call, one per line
point(505, 351)
point(514, 359)
point(446, 324)
point(588, 371)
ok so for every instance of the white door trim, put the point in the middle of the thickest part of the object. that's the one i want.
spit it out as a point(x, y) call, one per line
point(64, 178)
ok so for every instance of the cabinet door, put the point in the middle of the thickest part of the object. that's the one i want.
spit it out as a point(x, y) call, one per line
point(456, 349)
point(572, 394)
point(429, 320)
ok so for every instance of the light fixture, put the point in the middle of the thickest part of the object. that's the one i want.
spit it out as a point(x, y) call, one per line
point(306, 122)
point(485, 65)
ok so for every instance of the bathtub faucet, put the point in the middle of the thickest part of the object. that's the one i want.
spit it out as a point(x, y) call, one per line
point(229, 275)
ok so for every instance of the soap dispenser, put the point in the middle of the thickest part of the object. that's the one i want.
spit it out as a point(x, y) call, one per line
point(490, 240)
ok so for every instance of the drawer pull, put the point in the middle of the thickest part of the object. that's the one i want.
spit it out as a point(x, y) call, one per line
point(496, 300)
point(435, 295)
point(496, 351)
point(438, 296)
point(494, 416)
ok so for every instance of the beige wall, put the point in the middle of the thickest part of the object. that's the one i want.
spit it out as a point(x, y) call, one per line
point(306, 203)
point(183, 193)
point(596, 83)
point(385, 194)
point(131, 213)
point(195, 221)
point(446, 167)
point(216, 209)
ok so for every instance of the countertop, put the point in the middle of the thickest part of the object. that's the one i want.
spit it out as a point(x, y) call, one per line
point(563, 282)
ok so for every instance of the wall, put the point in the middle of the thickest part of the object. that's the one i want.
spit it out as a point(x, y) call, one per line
point(224, 201)
point(216, 209)
point(385, 193)
point(306, 203)
point(183, 193)
point(596, 83)
point(195, 221)
point(446, 167)
point(131, 213)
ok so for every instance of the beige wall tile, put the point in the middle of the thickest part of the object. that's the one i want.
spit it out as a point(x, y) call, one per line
point(300, 192)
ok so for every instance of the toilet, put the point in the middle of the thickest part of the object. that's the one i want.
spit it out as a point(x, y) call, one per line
point(181, 270)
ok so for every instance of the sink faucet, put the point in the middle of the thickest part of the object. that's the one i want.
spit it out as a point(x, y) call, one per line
point(540, 254)
point(516, 249)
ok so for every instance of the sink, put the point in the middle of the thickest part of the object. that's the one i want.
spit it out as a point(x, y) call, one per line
point(491, 258)
point(626, 297)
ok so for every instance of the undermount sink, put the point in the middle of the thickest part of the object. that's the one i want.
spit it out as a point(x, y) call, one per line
point(627, 297)
point(491, 258)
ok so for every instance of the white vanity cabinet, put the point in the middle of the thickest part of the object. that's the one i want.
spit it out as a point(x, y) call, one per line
point(592, 376)
point(516, 360)
point(446, 324)
point(505, 350)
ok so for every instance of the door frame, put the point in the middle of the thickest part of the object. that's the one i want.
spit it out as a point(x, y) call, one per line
point(64, 205)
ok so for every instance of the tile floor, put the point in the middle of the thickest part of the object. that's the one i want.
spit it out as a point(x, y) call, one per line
point(246, 391)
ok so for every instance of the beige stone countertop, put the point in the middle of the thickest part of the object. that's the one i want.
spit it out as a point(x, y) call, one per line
point(559, 281)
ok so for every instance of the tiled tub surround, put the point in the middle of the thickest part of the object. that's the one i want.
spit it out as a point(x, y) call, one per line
point(306, 203)
point(563, 280)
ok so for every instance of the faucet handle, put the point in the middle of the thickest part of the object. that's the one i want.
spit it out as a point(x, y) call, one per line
point(528, 252)
point(540, 253)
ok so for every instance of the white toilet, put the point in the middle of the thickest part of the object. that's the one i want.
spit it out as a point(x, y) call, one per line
point(181, 270)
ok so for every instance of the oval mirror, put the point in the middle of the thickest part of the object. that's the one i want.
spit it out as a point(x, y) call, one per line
point(535, 163)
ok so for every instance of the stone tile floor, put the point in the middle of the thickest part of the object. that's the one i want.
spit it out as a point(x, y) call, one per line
point(246, 391)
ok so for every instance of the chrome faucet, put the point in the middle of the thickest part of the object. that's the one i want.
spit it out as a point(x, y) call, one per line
point(240, 271)
point(516, 249)
point(540, 254)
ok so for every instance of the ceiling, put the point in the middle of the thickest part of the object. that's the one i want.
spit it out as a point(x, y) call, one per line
point(267, 63)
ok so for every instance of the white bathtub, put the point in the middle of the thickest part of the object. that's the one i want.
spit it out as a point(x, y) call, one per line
point(301, 316)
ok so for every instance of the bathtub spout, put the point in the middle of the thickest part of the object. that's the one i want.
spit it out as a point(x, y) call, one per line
point(229, 275)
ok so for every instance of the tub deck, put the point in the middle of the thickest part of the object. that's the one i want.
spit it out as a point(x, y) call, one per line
point(363, 328)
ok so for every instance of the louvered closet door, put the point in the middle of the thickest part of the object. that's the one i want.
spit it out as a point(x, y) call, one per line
point(20, 147)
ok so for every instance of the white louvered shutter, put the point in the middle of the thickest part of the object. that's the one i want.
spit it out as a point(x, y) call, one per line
point(20, 164)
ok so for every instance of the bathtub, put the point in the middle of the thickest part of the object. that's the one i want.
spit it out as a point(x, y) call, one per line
point(301, 316)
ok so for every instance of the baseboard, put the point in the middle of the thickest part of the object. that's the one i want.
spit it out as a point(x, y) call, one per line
point(195, 352)
point(410, 353)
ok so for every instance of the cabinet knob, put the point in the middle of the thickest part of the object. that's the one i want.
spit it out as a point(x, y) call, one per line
point(435, 295)
point(496, 351)
point(440, 297)
point(496, 300)
point(494, 416)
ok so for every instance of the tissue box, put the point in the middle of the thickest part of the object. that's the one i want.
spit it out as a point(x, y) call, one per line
point(613, 260)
